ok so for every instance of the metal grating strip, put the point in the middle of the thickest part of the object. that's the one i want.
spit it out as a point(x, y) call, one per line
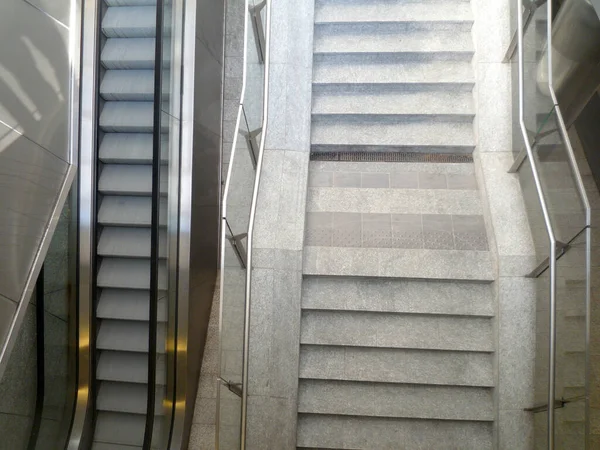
point(391, 157)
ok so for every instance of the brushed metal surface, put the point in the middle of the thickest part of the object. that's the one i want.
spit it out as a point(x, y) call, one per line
point(34, 76)
point(80, 430)
point(8, 309)
point(30, 181)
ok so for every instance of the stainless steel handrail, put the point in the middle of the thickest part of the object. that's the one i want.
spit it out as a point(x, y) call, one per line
point(546, 215)
point(588, 223)
point(547, 222)
point(259, 164)
point(224, 227)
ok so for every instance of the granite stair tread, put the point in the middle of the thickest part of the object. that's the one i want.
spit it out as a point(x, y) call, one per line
point(346, 398)
point(397, 331)
point(408, 366)
point(327, 11)
point(400, 37)
point(382, 100)
point(397, 296)
point(337, 432)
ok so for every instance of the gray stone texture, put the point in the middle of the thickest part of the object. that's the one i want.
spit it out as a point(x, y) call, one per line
point(399, 263)
point(366, 329)
point(387, 365)
point(18, 387)
point(205, 412)
point(279, 233)
point(395, 201)
point(398, 296)
point(372, 432)
point(412, 231)
point(507, 223)
point(386, 400)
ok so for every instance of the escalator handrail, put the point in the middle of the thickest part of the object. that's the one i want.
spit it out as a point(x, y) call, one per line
point(154, 230)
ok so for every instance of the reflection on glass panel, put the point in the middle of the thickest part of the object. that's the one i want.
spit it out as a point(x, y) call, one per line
point(537, 100)
point(535, 215)
point(542, 340)
point(235, 228)
point(558, 179)
point(570, 342)
point(570, 426)
point(238, 202)
point(26, 420)
point(59, 281)
point(255, 69)
point(167, 222)
point(570, 347)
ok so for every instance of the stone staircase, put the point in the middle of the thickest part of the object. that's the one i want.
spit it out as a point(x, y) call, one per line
point(397, 336)
point(398, 345)
point(393, 75)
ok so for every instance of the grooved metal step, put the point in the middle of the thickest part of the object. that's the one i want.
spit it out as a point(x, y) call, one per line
point(118, 428)
point(129, 398)
point(128, 367)
point(124, 188)
point(128, 304)
point(128, 53)
point(127, 117)
point(127, 336)
point(132, 179)
point(125, 273)
point(129, 211)
point(130, 148)
point(130, 242)
point(136, 85)
point(130, 22)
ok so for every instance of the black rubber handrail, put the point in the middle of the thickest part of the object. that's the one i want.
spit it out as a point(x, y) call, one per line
point(154, 235)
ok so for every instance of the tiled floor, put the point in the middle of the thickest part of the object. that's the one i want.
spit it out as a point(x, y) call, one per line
point(204, 422)
point(410, 231)
point(394, 180)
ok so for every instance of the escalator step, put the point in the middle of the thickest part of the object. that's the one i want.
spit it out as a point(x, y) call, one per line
point(127, 117)
point(102, 446)
point(128, 367)
point(126, 273)
point(127, 336)
point(129, 211)
point(128, 304)
point(130, 148)
point(130, 2)
point(129, 21)
point(118, 428)
point(137, 85)
point(126, 397)
point(130, 242)
point(130, 179)
point(128, 53)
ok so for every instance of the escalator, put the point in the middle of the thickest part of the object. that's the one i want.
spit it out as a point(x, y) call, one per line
point(110, 348)
point(124, 219)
